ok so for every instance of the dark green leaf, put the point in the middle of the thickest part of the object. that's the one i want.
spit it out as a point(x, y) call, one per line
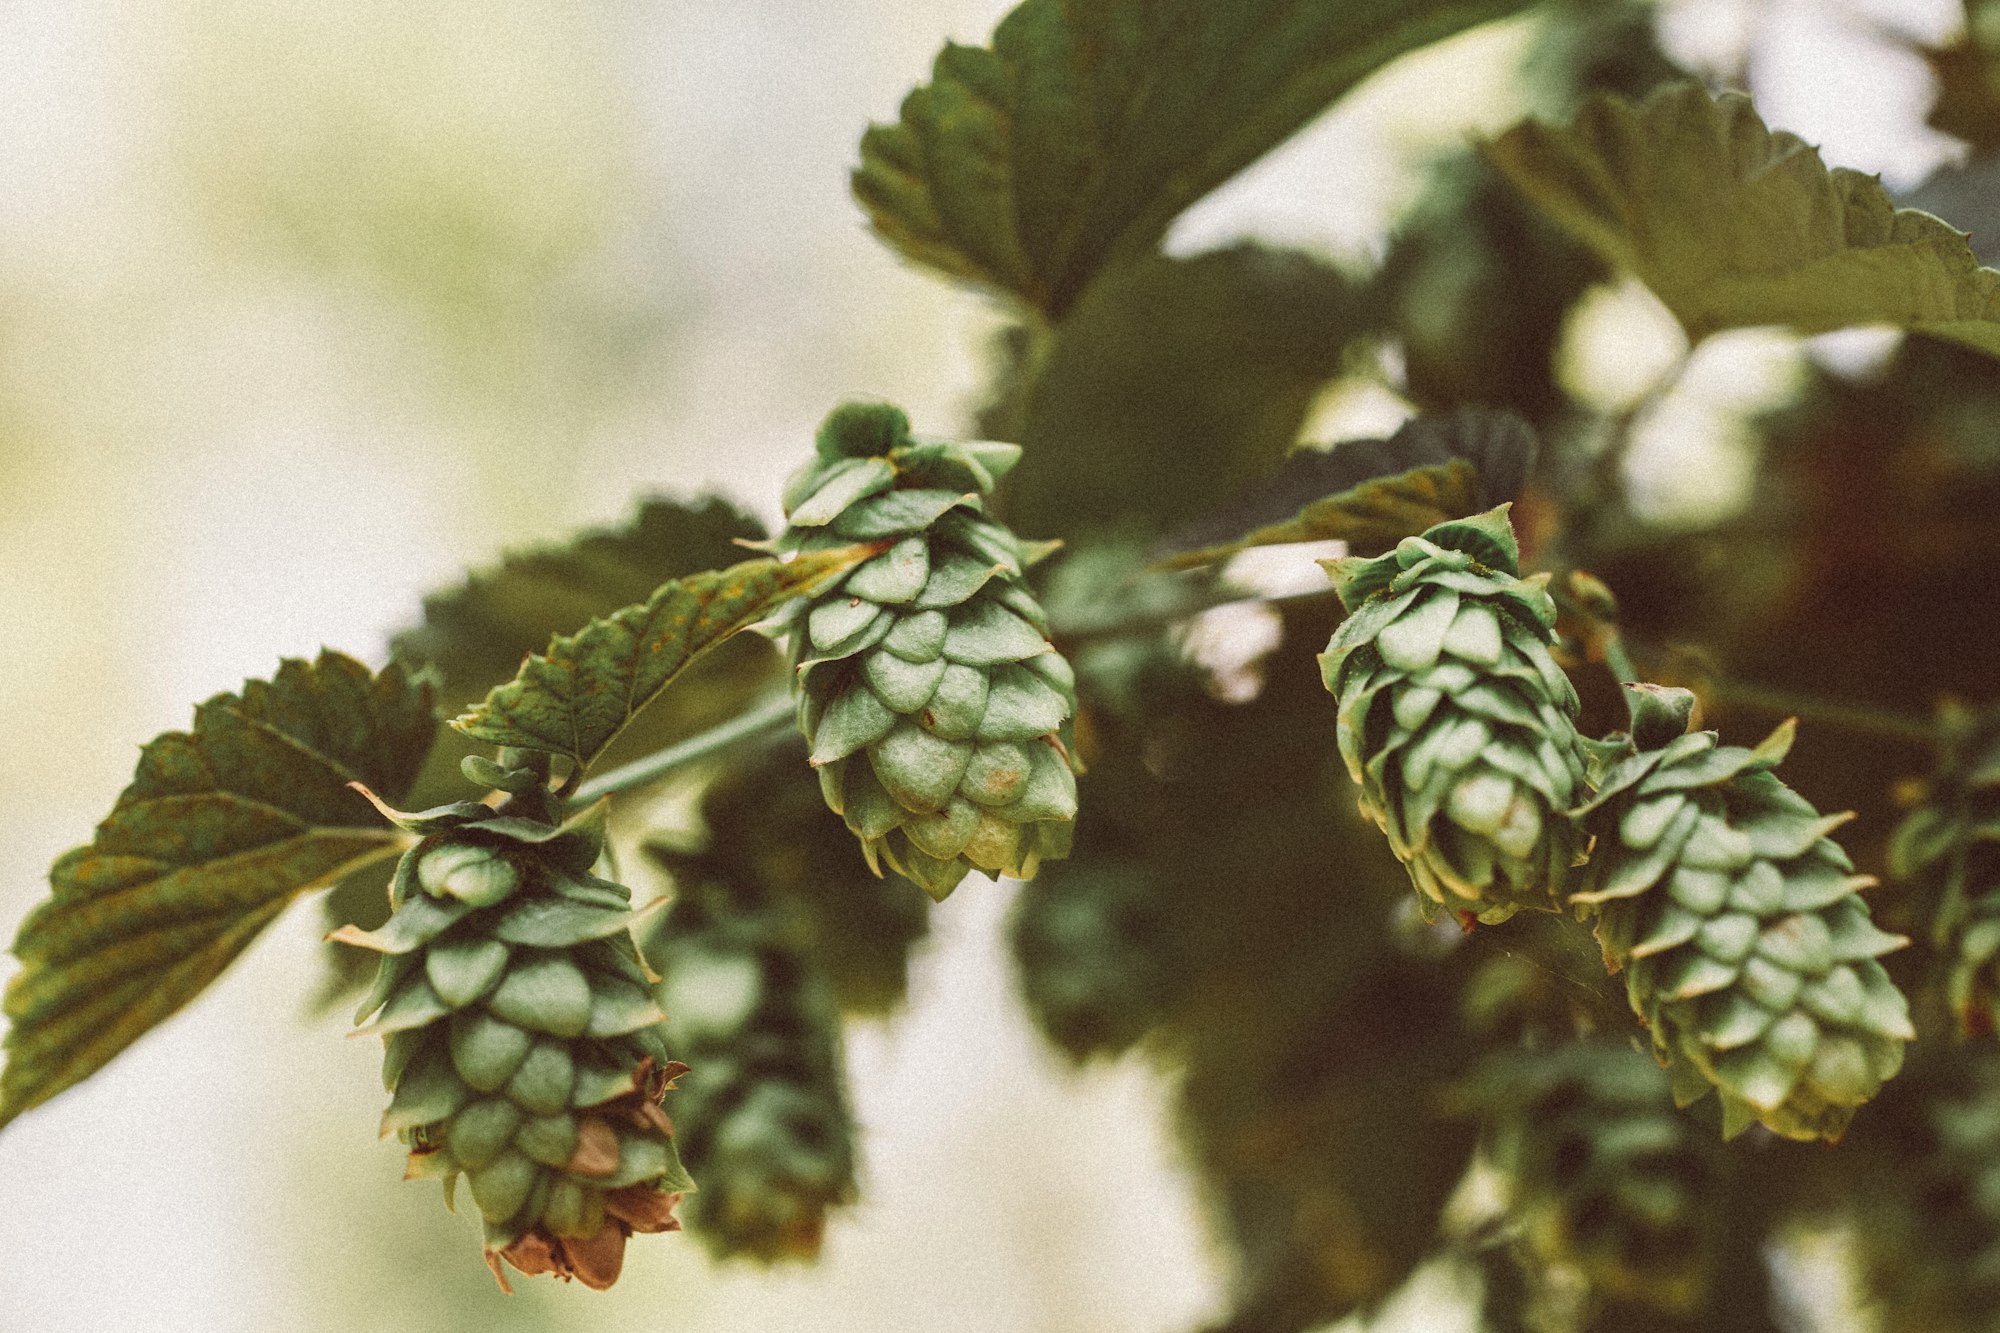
point(220, 829)
point(1087, 126)
point(1734, 225)
point(1174, 381)
point(575, 698)
point(1373, 493)
point(477, 633)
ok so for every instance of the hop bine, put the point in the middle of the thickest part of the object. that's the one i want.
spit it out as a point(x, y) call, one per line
point(524, 1045)
point(1455, 720)
point(1747, 949)
point(937, 711)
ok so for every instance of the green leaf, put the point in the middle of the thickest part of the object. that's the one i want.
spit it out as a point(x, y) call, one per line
point(575, 698)
point(477, 633)
point(1373, 493)
point(1173, 382)
point(220, 829)
point(1734, 225)
point(1087, 126)
point(1370, 517)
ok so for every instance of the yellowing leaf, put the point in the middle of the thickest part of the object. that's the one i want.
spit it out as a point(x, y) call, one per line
point(575, 698)
point(1733, 225)
point(1089, 125)
point(220, 829)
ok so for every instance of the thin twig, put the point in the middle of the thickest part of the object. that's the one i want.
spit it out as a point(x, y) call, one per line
point(764, 716)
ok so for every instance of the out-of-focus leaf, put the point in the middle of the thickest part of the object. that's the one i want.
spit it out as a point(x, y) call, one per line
point(220, 829)
point(1311, 1047)
point(1477, 288)
point(1087, 126)
point(476, 634)
point(1734, 225)
point(1967, 195)
point(1967, 71)
point(1923, 1180)
point(575, 698)
point(1373, 493)
point(1175, 381)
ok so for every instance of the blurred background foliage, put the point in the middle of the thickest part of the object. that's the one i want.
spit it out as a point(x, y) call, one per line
point(307, 309)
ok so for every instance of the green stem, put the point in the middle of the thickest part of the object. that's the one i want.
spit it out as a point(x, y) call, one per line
point(764, 716)
point(1828, 712)
point(1618, 661)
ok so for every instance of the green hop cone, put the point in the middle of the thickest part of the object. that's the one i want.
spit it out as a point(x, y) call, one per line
point(936, 709)
point(1950, 845)
point(525, 1049)
point(1747, 949)
point(1455, 720)
point(1607, 1176)
point(763, 1120)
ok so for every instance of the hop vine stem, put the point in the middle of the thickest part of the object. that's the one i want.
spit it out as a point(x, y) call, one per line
point(776, 711)
point(767, 715)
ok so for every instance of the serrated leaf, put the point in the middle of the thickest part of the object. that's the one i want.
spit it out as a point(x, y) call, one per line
point(220, 829)
point(477, 633)
point(1073, 140)
point(575, 698)
point(1373, 493)
point(1734, 225)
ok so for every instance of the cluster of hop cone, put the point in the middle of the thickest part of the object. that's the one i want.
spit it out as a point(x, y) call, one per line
point(524, 1042)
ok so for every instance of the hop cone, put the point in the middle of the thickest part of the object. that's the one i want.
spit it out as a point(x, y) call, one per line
point(1086, 940)
point(1951, 844)
point(524, 1045)
point(763, 1119)
point(1459, 726)
point(1748, 951)
point(933, 703)
point(1607, 1176)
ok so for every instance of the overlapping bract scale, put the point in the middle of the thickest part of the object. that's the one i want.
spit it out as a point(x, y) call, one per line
point(936, 709)
point(1747, 949)
point(524, 1043)
point(1456, 722)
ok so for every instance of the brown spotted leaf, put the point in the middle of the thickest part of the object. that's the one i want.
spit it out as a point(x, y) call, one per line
point(575, 698)
point(220, 829)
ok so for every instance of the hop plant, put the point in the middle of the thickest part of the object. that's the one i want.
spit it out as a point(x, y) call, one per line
point(935, 706)
point(524, 1046)
point(1454, 719)
point(1747, 949)
point(1607, 1176)
point(1951, 845)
